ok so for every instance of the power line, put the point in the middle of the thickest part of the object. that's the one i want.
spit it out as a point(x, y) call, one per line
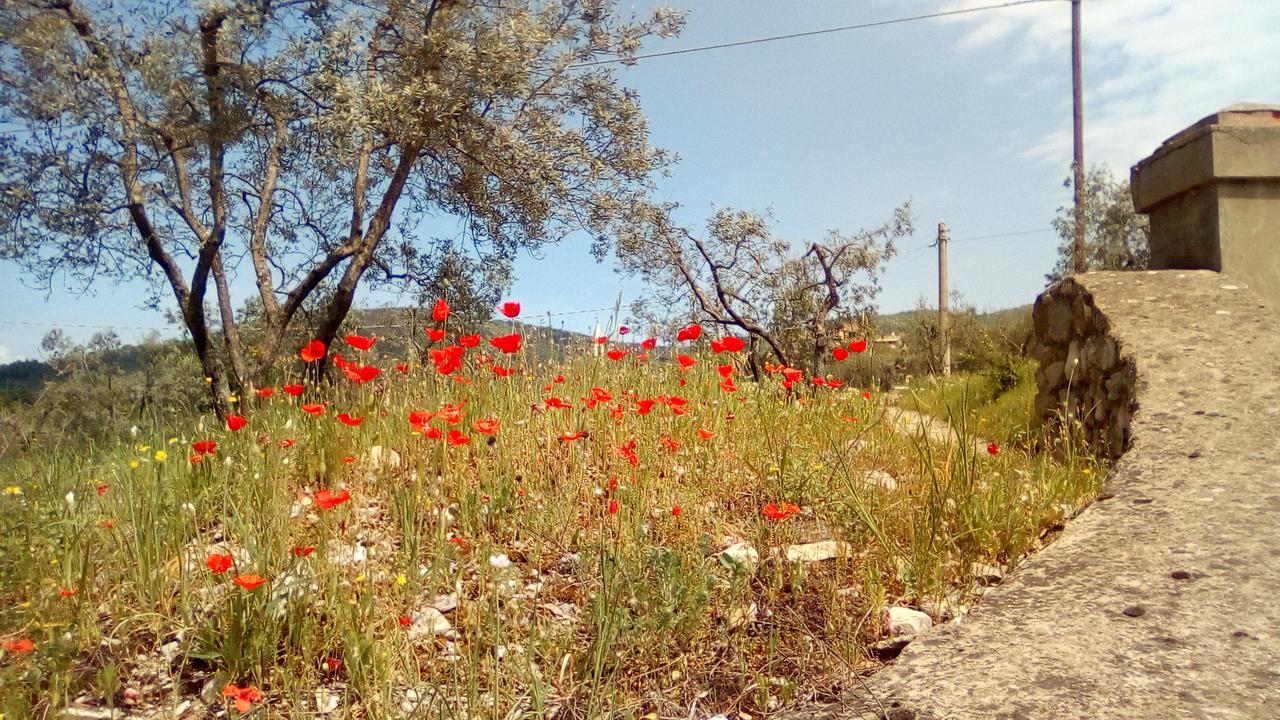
point(809, 33)
point(1016, 233)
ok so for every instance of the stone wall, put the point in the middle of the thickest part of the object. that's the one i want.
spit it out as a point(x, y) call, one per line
point(1085, 377)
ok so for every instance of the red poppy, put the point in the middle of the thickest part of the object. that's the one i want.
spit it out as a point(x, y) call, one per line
point(509, 309)
point(570, 437)
point(729, 344)
point(601, 340)
point(249, 581)
point(313, 409)
point(402, 367)
point(839, 354)
point(686, 362)
point(793, 374)
point(235, 422)
point(295, 390)
point(332, 664)
point(340, 361)
point(819, 382)
point(68, 592)
point(440, 312)
point(219, 563)
point(264, 392)
point(102, 489)
point(675, 511)
point(507, 343)
point(327, 499)
point(435, 334)
point(858, 346)
point(555, 402)
point(724, 370)
point(451, 413)
point(623, 330)
point(420, 417)
point(447, 359)
point(205, 447)
point(616, 354)
point(457, 438)
point(244, 697)
point(993, 449)
point(866, 395)
point(361, 375)
point(705, 434)
point(349, 421)
point(430, 433)
point(601, 395)
point(360, 342)
point(405, 621)
point(288, 443)
point(690, 333)
point(469, 341)
point(18, 647)
point(649, 343)
point(835, 383)
point(502, 371)
point(303, 550)
point(613, 506)
point(644, 407)
point(312, 351)
point(727, 385)
point(779, 511)
point(670, 444)
point(486, 426)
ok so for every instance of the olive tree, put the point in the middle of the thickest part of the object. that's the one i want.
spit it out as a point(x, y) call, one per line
point(1116, 236)
point(301, 144)
point(741, 277)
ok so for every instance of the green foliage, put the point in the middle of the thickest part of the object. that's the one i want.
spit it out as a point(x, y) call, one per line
point(1116, 237)
point(997, 404)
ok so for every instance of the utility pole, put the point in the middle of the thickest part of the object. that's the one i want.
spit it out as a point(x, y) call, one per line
point(944, 330)
point(1077, 120)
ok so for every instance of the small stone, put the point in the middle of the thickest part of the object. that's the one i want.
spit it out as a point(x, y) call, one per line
point(741, 616)
point(445, 603)
point(86, 713)
point(327, 701)
point(429, 622)
point(1135, 611)
point(741, 556)
point(378, 458)
point(1142, 501)
point(986, 574)
point(817, 551)
point(1180, 575)
point(906, 622)
point(880, 479)
point(1194, 454)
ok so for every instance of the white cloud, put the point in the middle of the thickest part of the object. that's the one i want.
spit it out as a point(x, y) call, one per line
point(1151, 67)
point(5, 355)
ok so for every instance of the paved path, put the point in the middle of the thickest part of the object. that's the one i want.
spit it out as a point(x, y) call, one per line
point(1161, 600)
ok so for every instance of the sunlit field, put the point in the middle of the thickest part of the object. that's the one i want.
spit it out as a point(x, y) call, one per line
point(471, 534)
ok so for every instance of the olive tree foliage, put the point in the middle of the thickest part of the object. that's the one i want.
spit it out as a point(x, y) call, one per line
point(741, 277)
point(1116, 236)
point(301, 143)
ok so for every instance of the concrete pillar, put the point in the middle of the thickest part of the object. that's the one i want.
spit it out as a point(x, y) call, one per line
point(1213, 194)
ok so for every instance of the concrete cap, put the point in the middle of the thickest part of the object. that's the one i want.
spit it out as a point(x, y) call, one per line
point(1224, 144)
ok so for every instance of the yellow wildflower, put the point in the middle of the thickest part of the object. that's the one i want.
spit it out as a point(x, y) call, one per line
point(161, 455)
point(13, 490)
point(401, 579)
point(133, 464)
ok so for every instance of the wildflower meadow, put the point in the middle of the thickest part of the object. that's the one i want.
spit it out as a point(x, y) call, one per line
point(637, 531)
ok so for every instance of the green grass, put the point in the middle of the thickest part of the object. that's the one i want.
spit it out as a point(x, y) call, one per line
point(578, 585)
point(977, 401)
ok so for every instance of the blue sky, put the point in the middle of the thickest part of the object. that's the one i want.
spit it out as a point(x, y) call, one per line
point(968, 117)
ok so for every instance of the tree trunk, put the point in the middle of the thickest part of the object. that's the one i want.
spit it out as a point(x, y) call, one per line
point(230, 332)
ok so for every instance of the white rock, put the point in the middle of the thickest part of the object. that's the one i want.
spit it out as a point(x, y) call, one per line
point(445, 603)
point(429, 622)
point(905, 622)
point(741, 616)
point(880, 479)
point(741, 555)
point(326, 701)
point(378, 458)
point(987, 574)
point(818, 551)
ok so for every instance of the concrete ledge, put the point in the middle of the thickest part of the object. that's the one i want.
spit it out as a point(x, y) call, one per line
point(1159, 600)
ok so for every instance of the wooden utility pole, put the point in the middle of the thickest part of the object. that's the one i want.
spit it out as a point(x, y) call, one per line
point(1077, 120)
point(944, 322)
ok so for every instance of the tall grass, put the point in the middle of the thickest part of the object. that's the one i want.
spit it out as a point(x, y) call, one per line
point(578, 575)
